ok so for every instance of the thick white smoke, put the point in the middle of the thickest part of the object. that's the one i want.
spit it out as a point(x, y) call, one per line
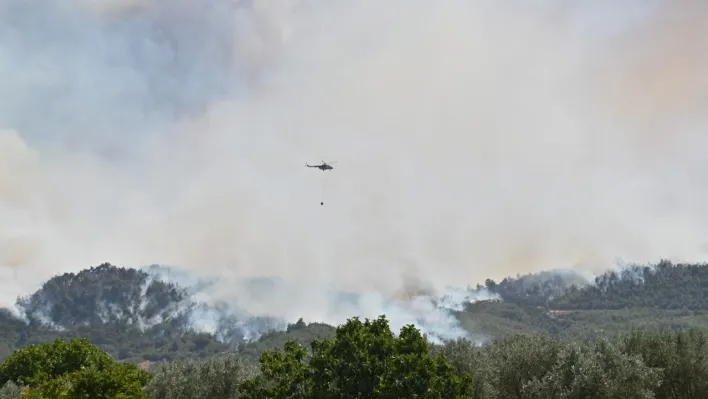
point(474, 139)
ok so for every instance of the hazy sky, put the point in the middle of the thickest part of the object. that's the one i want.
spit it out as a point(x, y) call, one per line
point(473, 139)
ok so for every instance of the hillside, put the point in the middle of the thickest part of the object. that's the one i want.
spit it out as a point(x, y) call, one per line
point(663, 286)
point(136, 316)
point(127, 312)
point(664, 296)
point(106, 294)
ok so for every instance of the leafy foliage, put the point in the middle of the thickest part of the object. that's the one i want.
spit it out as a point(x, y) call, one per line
point(214, 378)
point(121, 381)
point(563, 320)
point(358, 363)
point(36, 363)
point(603, 371)
point(100, 304)
point(74, 369)
point(10, 391)
point(364, 359)
point(300, 332)
point(628, 365)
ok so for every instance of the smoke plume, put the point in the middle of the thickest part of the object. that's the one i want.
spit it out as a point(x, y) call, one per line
point(473, 139)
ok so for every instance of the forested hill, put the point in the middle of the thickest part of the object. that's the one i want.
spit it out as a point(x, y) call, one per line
point(664, 286)
point(106, 294)
point(136, 316)
point(129, 313)
point(664, 296)
point(536, 288)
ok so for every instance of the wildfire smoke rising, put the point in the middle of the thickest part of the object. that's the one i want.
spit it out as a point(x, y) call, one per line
point(474, 139)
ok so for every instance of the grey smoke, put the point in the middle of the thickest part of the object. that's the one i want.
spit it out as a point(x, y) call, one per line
point(474, 139)
point(245, 309)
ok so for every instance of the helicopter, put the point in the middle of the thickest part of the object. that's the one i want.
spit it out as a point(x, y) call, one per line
point(324, 166)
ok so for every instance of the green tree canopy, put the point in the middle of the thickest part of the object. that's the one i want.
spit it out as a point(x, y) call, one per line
point(73, 369)
point(365, 359)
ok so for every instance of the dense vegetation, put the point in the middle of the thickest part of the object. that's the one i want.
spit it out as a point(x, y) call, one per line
point(536, 289)
point(567, 325)
point(106, 295)
point(364, 359)
point(127, 312)
point(664, 286)
point(136, 317)
point(661, 297)
point(74, 369)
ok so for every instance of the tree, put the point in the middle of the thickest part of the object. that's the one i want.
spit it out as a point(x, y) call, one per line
point(284, 374)
point(513, 361)
point(682, 357)
point(364, 359)
point(10, 391)
point(215, 378)
point(598, 371)
point(74, 369)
